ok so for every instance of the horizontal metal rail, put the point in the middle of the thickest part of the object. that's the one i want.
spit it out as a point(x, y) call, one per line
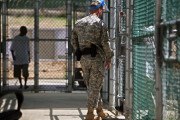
point(43, 39)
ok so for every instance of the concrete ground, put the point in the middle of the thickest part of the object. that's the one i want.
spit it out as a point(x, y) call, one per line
point(57, 106)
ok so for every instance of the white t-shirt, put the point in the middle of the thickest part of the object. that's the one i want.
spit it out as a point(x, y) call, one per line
point(20, 46)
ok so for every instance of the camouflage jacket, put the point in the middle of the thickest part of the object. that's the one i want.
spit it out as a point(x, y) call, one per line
point(92, 30)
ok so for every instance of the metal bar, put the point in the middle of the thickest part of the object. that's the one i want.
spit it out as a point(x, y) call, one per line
point(69, 12)
point(0, 43)
point(60, 40)
point(112, 91)
point(36, 46)
point(127, 66)
point(74, 60)
point(117, 42)
point(108, 73)
point(130, 60)
point(4, 41)
point(159, 102)
point(172, 22)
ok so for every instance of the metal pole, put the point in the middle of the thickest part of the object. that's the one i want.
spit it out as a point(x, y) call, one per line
point(130, 60)
point(117, 50)
point(159, 102)
point(0, 43)
point(69, 12)
point(127, 83)
point(112, 91)
point(4, 41)
point(36, 46)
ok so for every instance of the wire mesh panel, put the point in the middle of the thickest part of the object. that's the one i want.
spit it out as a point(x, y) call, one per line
point(53, 45)
point(122, 49)
point(171, 97)
point(171, 64)
point(144, 98)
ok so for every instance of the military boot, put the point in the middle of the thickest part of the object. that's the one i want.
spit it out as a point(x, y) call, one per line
point(90, 115)
point(101, 113)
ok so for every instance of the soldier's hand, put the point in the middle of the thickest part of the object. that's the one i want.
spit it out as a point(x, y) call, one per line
point(107, 65)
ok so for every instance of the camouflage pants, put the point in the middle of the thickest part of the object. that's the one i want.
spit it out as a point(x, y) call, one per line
point(93, 78)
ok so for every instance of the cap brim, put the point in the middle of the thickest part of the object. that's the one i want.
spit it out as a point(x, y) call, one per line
point(105, 8)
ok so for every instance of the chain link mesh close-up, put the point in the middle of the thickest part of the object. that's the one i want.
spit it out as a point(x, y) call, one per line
point(53, 44)
point(171, 65)
point(144, 96)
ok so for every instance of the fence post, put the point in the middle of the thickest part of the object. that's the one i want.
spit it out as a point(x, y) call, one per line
point(69, 15)
point(128, 69)
point(4, 22)
point(127, 64)
point(117, 50)
point(113, 61)
point(0, 44)
point(36, 46)
point(159, 102)
point(130, 61)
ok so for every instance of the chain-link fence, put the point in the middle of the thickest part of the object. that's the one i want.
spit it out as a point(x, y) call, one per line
point(143, 41)
point(171, 66)
point(50, 57)
point(53, 44)
point(144, 92)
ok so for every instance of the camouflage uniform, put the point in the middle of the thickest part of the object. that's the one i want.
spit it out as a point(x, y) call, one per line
point(92, 30)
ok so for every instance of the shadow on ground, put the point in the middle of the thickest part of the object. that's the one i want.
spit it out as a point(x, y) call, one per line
point(113, 119)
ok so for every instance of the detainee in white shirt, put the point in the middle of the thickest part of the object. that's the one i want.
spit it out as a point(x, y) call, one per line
point(21, 55)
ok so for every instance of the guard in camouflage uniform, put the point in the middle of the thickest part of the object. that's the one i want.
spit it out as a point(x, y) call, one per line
point(90, 40)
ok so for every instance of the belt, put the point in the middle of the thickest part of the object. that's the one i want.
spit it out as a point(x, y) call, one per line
point(86, 51)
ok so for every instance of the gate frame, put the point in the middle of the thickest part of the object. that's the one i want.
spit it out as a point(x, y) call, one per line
point(36, 46)
point(128, 66)
point(0, 45)
point(4, 27)
point(158, 78)
point(36, 41)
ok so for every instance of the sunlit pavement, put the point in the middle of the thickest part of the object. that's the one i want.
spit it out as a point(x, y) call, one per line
point(57, 106)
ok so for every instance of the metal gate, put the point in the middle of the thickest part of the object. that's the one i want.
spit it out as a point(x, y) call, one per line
point(47, 25)
point(170, 56)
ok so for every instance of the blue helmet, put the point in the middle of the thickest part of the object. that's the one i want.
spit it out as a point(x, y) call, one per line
point(98, 4)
